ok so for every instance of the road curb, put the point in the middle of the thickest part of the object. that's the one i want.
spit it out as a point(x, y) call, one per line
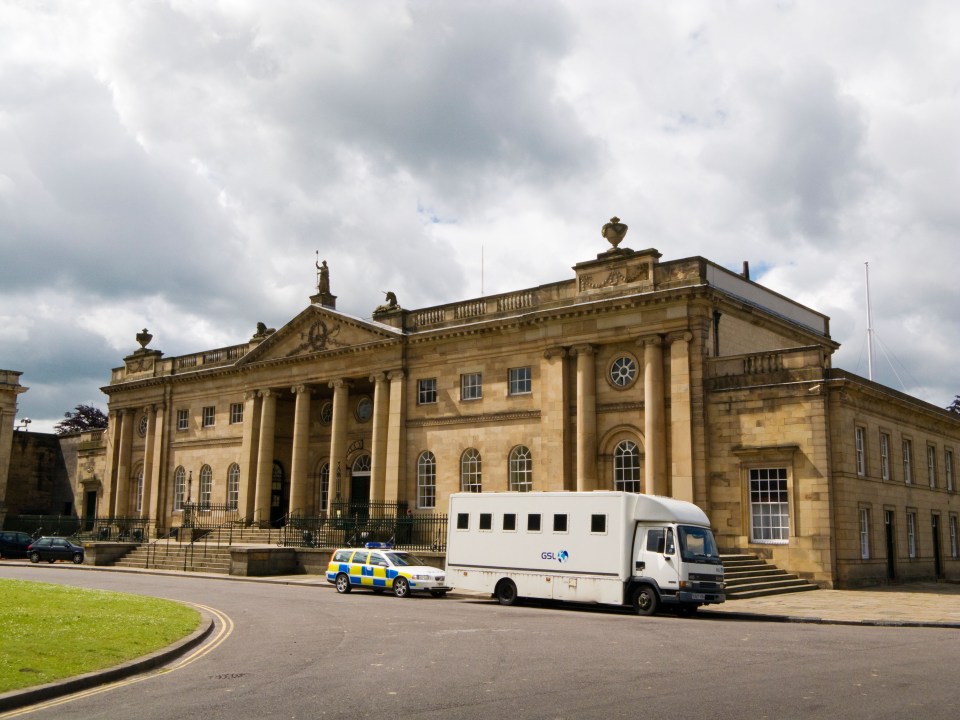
point(16, 699)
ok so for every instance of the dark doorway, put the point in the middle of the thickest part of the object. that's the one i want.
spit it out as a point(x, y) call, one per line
point(89, 509)
point(937, 559)
point(360, 487)
point(891, 545)
point(278, 488)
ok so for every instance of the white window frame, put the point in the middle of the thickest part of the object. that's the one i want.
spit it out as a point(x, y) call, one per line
point(324, 487)
point(179, 488)
point(885, 455)
point(864, 533)
point(907, 448)
point(627, 468)
point(912, 534)
point(471, 386)
point(426, 481)
point(860, 439)
point(206, 487)
point(183, 419)
point(520, 469)
point(427, 391)
point(948, 468)
point(236, 413)
point(769, 502)
point(233, 486)
point(519, 381)
point(471, 471)
point(209, 416)
point(954, 539)
point(138, 501)
point(932, 465)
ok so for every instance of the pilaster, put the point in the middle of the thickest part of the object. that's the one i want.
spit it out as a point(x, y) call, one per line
point(681, 437)
point(395, 423)
point(378, 460)
point(655, 469)
point(586, 417)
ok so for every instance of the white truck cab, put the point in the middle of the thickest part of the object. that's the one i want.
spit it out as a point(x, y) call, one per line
point(616, 548)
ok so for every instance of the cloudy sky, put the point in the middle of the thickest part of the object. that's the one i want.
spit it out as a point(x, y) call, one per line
point(178, 165)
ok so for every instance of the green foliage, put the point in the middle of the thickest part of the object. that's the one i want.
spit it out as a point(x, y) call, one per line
point(954, 407)
point(51, 632)
point(84, 417)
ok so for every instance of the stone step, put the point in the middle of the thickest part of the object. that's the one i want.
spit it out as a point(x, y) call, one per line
point(747, 576)
point(766, 591)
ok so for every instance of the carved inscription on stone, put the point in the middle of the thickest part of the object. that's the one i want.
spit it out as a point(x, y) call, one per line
point(318, 337)
point(619, 276)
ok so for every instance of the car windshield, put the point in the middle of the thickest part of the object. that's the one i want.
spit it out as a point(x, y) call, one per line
point(697, 545)
point(405, 559)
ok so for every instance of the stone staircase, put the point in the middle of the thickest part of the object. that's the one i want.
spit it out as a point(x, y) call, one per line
point(749, 576)
point(169, 554)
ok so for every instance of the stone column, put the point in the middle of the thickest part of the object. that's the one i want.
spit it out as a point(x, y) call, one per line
point(653, 417)
point(378, 459)
point(338, 441)
point(248, 454)
point(105, 505)
point(301, 449)
point(155, 452)
point(268, 426)
point(554, 422)
point(681, 430)
point(395, 456)
point(586, 418)
point(149, 453)
point(121, 506)
point(10, 387)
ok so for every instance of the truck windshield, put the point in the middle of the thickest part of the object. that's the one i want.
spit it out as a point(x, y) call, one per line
point(697, 545)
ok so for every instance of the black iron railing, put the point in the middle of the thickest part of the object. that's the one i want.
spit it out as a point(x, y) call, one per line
point(208, 515)
point(121, 529)
point(353, 525)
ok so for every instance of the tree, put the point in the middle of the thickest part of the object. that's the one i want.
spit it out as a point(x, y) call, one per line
point(84, 417)
point(954, 407)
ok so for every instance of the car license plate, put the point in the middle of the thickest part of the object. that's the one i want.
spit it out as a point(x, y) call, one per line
point(698, 596)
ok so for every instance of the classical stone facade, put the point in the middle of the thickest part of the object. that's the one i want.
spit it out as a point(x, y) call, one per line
point(10, 387)
point(678, 378)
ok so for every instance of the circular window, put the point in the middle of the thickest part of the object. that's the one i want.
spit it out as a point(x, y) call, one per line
point(326, 413)
point(142, 428)
point(364, 409)
point(623, 371)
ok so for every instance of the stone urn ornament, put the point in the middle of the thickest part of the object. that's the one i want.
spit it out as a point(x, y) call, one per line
point(614, 231)
point(144, 339)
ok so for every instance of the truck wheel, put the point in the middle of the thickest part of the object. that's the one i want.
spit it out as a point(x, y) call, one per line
point(343, 583)
point(401, 588)
point(645, 600)
point(506, 592)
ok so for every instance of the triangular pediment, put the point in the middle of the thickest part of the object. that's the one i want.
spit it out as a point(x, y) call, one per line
point(318, 330)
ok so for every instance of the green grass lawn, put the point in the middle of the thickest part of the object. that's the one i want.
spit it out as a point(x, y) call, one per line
point(49, 632)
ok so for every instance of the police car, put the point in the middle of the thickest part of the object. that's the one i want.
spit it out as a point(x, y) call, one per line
point(379, 567)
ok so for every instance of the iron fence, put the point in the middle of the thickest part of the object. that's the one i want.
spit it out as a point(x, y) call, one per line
point(208, 516)
point(121, 529)
point(408, 531)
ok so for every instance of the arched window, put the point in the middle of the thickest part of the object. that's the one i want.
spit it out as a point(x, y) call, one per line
point(521, 469)
point(426, 480)
point(206, 487)
point(324, 487)
point(361, 465)
point(233, 486)
point(138, 501)
point(471, 478)
point(626, 467)
point(179, 488)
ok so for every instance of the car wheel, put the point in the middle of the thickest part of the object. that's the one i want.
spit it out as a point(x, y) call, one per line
point(77, 558)
point(401, 588)
point(51, 560)
point(34, 557)
point(506, 592)
point(438, 593)
point(645, 600)
point(343, 583)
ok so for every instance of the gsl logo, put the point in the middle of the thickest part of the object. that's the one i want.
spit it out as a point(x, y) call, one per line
point(560, 556)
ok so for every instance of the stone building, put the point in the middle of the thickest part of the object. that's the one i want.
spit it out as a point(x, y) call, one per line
point(675, 377)
point(10, 387)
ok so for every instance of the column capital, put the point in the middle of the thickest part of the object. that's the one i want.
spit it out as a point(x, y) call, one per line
point(250, 394)
point(585, 349)
point(653, 340)
point(554, 352)
point(267, 393)
point(297, 389)
point(378, 377)
point(339, 383)
point(396, 375)
point(680, 336)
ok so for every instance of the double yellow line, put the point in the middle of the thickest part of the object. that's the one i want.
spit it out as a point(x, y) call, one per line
point(224, 628)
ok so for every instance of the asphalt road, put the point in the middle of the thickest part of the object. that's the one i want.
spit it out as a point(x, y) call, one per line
point(288, 651)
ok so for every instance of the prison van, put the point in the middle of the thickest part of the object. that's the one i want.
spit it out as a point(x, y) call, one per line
point(617, 548)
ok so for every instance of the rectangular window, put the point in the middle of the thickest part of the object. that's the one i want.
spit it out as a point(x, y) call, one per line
point(533, 522)
point(486, 521)
point(426, 391)
point(769, 506)
point(209, 416)
point(885, 456)
point(463, 521)
point(598, 523)
point(560, 522)
point(471, 386)
point(864, 534)
point(655, 540)
point(236, 413)
point(183, 419)
point(510, 522)
point(519, 381)
point(860, 435)
point(932, 465)
point(948, 468)
point(907, 461)
point(954, 540)
point(912, 534)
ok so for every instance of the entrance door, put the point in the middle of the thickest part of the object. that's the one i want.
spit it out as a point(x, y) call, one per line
point(937, 559)
point(360, 487)
point(89, 509)
point(891, 545)
point(277, 492)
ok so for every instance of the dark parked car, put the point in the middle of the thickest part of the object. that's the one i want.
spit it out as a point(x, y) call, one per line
point(14, 544)
point(52, 549)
